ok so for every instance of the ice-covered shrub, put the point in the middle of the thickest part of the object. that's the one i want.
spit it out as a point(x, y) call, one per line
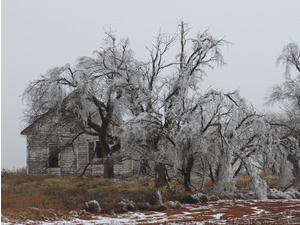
point(201, 197)
point(173, 205)
point(127, 205)
point(294, 194)
point(277, 194)
point(93, 206)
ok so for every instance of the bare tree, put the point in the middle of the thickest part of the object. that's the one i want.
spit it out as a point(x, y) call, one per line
point(288, 93)
point(230, 135)
point(104, 84)
point(171, 94)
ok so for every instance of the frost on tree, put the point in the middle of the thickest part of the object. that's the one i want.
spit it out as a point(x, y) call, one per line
point(288, 95)
point(105, 84)
point(172, 93)
point(159, 114)
point(231, 136)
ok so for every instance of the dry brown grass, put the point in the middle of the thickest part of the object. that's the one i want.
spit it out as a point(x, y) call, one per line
point(271, 179)
point(242, 180)
point(22, 194)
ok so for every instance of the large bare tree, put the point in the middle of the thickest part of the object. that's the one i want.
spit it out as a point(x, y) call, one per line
point(288, 94)
point(172, 92)
point(105, 84)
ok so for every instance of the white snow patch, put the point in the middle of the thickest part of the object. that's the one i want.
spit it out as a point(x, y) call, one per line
point(218, 216)
point(257, 210)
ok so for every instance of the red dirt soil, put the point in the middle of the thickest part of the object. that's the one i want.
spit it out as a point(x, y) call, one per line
point(235, 212)
point(221, 212)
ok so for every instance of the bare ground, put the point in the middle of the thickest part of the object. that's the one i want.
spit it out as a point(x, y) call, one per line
point(221, 212)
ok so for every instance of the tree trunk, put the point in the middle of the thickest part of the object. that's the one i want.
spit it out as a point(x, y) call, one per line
point(211, 174)
point(160, 175)
point(145, 168)
point(224, 178)
point(187, 180)
point(108, 168)
point(186, 171)
point(296, 170)
point(108, 163)
point(258, 184)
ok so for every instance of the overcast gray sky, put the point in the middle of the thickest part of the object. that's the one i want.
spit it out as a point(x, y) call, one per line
point(38, 35)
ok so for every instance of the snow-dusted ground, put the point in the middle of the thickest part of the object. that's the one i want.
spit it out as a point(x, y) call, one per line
point(221, 212)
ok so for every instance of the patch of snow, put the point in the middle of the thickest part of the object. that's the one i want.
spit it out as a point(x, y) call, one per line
point(257, 210)
point(218, 216)
point(212, 212)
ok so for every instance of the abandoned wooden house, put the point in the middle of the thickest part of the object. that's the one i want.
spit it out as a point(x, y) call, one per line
point(62, 150)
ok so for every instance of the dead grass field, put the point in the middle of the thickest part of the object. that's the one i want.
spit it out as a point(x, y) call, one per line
point(36, 197)
point(22, 194)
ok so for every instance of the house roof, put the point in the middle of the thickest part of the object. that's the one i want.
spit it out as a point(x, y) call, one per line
point(27, 130)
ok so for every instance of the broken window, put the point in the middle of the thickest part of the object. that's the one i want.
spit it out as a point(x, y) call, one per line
point(53, 156)
point(95, 150)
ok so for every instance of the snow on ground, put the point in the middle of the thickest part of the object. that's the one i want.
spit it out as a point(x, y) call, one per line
point(221, 212)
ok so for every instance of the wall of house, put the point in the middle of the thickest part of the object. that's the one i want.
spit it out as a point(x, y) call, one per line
point(68, 161)
point(37, 156)
point(96, 168)
point(72, 160)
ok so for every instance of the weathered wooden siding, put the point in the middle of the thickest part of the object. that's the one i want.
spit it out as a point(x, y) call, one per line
point(68, 161)
point(37, 156)
point(72, 160)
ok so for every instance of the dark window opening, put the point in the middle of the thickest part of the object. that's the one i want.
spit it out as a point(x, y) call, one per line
point(91, 151)
point(95, 150)
point(53, 156)
point(98, 150)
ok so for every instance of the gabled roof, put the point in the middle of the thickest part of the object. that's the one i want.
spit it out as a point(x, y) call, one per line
point(75, 94)
point(27, 130)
